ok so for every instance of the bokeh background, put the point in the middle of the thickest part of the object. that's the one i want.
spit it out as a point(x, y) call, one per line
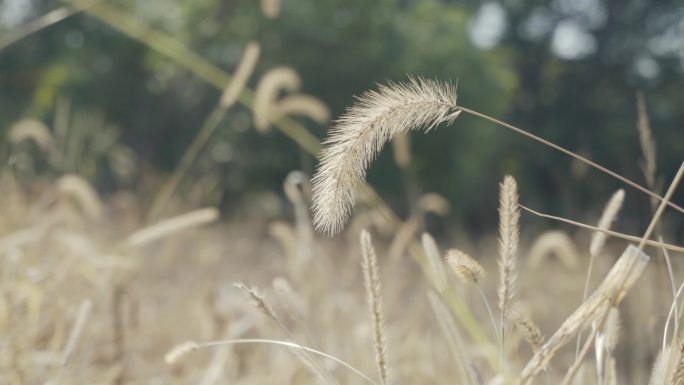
point(567, 70)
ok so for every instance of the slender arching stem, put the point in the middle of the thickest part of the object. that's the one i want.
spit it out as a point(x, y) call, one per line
point(570, 154)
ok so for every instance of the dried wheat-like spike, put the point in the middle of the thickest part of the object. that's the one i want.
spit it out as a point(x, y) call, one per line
point(31, 129)
point(76, 330)
point(171, 226)
point(257, 300)
point(609, 214)
point(509, 234)
point(271, 8)
point(373, 285)
point(242, 73)
point(678, 374)
point(434, 258)
point(464, 266)
point(530, 330)
point(556, 242)
point(179, 351)
point(303, 105)
point(82, 192)
point(270, 85)
point(360, 134)
point(648, 145)
point(612, 290)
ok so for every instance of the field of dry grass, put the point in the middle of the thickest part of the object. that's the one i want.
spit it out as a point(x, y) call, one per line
point(139, 287)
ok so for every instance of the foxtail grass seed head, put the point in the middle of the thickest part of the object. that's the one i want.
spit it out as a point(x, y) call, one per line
point(509, 234)
point(531, 332)
point(358, 136)
point(610, 212)
point(466, 268)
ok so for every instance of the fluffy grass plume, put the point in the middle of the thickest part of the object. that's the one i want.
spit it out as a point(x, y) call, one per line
point(270, 85)
point(242, 73)
point(466, 268)
point(371, 279)
point(509, 234)
point(359, 135)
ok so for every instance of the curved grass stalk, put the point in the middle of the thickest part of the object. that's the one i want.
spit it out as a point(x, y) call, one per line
point(279, 343)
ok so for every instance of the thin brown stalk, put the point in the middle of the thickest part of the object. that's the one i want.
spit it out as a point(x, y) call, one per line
point(615, 234)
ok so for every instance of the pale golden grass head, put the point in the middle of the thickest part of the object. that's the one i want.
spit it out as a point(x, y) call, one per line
point(530, 331)
point(554, 242)
point(509, 234)
point(359, 135)
point(82, 192)
point(271, 84)
point(610, 212)
point(466, 268)
point(244, 70)
point(303, 105)
point(33, 130)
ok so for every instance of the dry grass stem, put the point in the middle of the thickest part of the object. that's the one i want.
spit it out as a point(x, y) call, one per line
point(74, 336)
point(609, 215)
point(401, 146)
point(648, 145)
point(438, 274)
point(171, 226)
point(453, 337)
point(242, 73)
point(617, 282)
point(615, 234)
point(373, 285)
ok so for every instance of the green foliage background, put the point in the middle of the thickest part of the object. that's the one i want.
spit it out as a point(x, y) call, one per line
point(342, 48)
